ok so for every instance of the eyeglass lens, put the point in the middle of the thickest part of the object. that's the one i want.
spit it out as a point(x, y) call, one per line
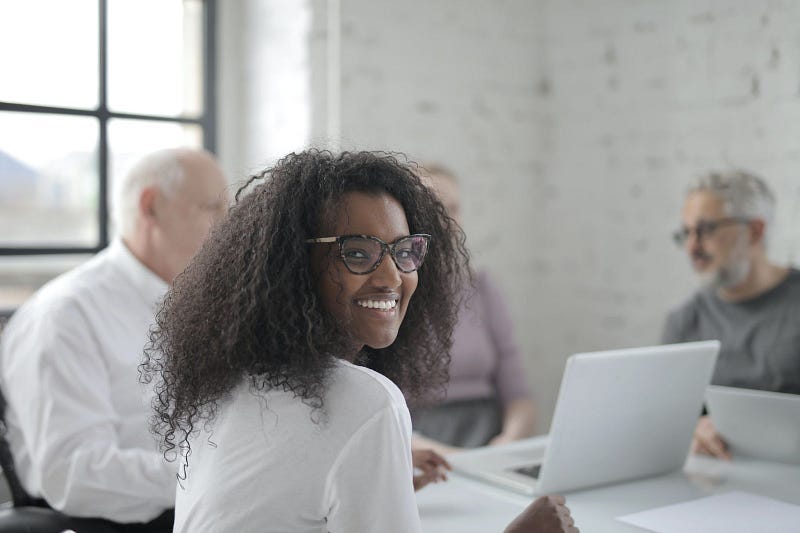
point(703, 229)
point(362, 254)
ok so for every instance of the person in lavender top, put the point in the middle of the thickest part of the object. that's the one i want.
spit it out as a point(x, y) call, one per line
point(487, 400)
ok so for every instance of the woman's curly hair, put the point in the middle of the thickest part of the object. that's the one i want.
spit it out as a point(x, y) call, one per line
point(247, 308)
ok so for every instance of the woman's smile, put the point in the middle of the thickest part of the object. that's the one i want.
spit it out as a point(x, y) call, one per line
point(378, 304)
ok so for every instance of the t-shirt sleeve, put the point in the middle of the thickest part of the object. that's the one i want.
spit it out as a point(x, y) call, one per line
point(510, 374)
point(673, 331)
point(370, 487)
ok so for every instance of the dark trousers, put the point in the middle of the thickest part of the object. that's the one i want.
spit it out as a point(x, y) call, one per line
point(160, 524)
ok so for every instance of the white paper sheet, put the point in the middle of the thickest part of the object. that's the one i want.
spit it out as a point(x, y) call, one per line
point(732, 512)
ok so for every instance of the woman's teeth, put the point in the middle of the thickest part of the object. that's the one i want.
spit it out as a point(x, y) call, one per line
point(377, 304)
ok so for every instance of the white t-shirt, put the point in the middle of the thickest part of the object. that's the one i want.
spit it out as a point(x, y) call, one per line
point(269, 462)
point(77, 415)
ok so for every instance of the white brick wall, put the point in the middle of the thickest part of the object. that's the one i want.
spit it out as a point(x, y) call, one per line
point(264, 86)
point(574, 127)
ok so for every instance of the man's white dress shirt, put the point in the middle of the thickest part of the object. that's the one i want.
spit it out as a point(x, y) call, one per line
point(77, 415)
point(271, 463)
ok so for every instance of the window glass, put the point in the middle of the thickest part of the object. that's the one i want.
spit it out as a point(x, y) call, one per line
point(50, 177)
point(20, 276)
point(49, 183)
point(162, 74)
point(59, 66)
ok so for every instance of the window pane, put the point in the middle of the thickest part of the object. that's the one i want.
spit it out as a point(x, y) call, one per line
point(48, 180)
point(49, 52)
point(21, 276)
point(130, 140)
point(155, 57)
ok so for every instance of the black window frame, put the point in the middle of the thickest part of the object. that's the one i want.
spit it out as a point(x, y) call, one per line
point(206, 121)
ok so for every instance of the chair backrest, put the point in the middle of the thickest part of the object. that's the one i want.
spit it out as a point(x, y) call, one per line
point(19, 495)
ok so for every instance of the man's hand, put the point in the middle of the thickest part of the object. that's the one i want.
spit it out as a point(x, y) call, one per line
point(429, 467)
point(546, 514)
point(707, 441)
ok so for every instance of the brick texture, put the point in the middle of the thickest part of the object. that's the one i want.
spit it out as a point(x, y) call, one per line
point(574, 127)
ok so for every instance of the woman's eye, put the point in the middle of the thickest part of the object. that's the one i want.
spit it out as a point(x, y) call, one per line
point(355, 255)
point(406, 254)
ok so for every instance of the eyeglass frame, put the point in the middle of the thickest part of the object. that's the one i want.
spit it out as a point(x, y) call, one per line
point(385, 246)
point(706, 229)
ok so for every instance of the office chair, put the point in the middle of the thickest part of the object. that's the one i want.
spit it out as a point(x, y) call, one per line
point(26, 514)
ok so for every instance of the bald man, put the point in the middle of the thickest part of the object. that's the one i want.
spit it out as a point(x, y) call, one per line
point(77, 415)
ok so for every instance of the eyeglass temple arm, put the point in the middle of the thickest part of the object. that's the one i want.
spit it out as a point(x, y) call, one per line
point(323, 239)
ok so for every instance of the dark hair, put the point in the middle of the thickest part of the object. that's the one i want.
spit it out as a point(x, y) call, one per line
point(246, 307)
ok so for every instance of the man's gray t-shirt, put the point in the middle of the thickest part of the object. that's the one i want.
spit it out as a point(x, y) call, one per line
point(760, 337)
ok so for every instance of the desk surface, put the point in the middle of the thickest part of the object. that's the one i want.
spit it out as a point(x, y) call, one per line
point(464, 505)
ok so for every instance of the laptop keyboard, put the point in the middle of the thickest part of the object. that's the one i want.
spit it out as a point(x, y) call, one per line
point(531, 471)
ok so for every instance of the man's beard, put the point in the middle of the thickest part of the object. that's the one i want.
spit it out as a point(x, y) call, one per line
point(732, 274)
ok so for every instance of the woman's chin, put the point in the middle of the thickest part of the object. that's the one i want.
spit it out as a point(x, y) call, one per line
point(383, 341)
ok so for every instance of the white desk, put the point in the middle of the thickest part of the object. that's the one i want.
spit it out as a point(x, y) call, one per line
point(464, 505)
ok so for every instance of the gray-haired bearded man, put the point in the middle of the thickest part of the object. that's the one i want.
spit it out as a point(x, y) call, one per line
point(750, 304)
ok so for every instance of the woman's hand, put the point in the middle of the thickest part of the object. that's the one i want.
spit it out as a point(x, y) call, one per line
point(518, 420)
point(429, 467)
point(418, 442)
point(547, 514)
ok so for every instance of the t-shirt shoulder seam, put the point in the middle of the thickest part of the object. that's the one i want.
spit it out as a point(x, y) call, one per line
point(369, 374)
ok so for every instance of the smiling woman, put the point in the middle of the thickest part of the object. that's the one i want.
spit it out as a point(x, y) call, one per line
point(279, 351)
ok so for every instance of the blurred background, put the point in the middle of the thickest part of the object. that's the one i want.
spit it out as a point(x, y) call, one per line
point(573, 126)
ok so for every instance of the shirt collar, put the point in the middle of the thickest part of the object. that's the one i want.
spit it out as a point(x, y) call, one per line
point(148, 284)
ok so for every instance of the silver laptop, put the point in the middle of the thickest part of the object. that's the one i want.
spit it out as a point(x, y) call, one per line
point(758, 424)
point(620, 415)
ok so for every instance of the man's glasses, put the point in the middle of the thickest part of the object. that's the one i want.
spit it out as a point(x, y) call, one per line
point(363, 254)
point(705, 228)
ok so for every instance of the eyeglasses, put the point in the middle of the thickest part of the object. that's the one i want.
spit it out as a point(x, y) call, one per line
point(705, 228)
point(362, 254)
